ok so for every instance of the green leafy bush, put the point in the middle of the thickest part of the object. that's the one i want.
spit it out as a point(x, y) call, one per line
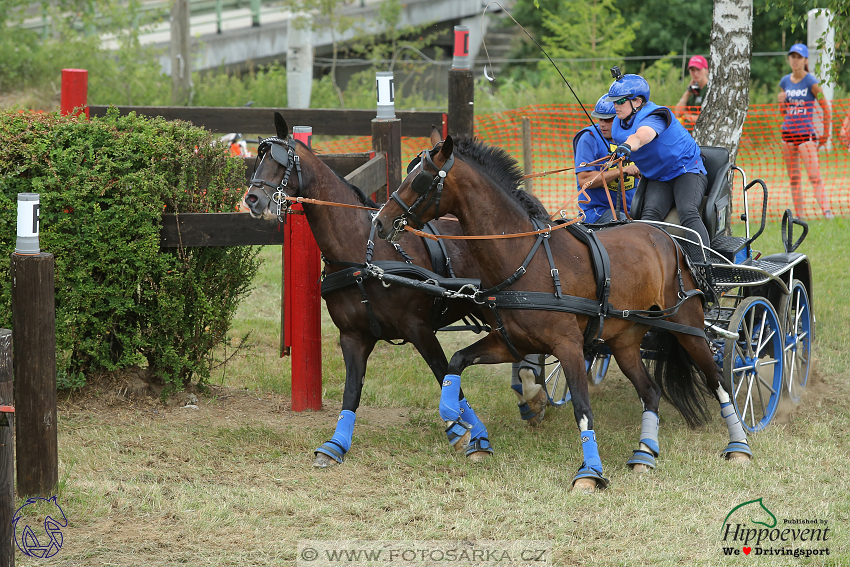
point(104, 183)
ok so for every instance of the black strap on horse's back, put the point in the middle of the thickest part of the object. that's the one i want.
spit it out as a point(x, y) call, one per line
point(602, 273)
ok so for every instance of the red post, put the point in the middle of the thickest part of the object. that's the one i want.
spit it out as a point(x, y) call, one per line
point(303, 305)
point(75, 92)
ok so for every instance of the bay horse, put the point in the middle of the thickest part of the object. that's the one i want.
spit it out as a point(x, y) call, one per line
point(650, 275)
point(372, 312)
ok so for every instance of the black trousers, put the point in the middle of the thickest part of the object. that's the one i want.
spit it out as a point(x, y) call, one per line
point(686, 192)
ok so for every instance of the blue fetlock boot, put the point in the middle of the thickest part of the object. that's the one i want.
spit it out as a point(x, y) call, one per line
point(457, 430)
point(340, 443)
point(479, 441)
point(524, 411)
point(592, 465)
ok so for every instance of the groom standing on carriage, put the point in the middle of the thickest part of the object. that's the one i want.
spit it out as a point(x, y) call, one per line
point(591, 144)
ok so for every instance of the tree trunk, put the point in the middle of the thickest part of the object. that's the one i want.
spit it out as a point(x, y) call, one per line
point(723, 112)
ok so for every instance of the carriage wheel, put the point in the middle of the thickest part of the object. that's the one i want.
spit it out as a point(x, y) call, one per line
point(556, 383)
point(796, 312)
point(752, 363)
point(556, 387)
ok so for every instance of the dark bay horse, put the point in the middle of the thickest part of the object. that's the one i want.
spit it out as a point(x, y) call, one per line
point(479, 185)
point(399, 312)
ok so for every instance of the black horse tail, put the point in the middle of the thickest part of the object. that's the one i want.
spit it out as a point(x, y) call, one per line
point(681, 381)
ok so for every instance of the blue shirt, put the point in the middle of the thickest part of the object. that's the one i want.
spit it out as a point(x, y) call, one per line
point(671, 154)
point(800, 104)
point(588, 146)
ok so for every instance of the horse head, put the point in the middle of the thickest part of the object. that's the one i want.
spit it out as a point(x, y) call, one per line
point(427, 176)
point(278, 175)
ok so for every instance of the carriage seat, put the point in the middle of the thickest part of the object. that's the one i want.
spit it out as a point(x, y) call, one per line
point(716, 201)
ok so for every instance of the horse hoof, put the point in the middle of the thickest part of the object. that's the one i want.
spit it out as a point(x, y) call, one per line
point(639, 468)
point(737, 457)
point(479, 456)
point(537, 419)
point(585, 485)
point(323, 461)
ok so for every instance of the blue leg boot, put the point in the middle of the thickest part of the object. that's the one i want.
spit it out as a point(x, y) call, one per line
point(648, 439)
point(737, 436)
point(479, 443)
point(457, 430)
point(524, 411)
point(340, 443)
point(592, 466)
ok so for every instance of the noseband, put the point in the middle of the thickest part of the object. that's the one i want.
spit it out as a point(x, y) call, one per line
point(282, 151)
point(427, 186)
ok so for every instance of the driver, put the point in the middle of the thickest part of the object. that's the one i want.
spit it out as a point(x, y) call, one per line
point(664, 151)
point(590, 144)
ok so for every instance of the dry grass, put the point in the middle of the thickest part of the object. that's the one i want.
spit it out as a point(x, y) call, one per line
point(230, 483)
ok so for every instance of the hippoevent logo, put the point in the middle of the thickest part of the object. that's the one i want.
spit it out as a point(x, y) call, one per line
point(750, 528)
point(39, 545)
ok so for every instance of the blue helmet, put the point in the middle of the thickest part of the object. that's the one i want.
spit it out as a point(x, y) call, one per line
point(628, 86)
point(604, 108)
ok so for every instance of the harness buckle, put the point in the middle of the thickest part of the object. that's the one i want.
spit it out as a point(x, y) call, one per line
point(625, 312)
point(555, 272)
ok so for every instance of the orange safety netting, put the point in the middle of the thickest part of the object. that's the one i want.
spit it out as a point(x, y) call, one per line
point(760, 156)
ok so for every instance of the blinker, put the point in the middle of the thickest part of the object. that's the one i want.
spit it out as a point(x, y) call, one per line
point(280, 154)
point(416, 161)
point(422, 182)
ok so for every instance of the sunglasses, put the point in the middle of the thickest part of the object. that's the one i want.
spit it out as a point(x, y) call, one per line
point(622, 100)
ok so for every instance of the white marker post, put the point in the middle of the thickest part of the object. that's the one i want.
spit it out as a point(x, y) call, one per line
point(28, 221)
point(386, 95)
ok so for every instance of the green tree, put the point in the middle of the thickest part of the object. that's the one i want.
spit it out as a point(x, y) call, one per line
point(587, 30)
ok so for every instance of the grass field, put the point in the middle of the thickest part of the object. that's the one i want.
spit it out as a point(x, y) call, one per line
point(231, 483)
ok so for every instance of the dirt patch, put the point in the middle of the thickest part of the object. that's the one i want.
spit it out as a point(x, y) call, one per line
point(131, 394)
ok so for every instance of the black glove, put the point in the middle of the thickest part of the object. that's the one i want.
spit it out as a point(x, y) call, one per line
point(623, 150)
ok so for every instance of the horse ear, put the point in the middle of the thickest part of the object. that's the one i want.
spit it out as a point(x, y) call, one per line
point(446, 149)
point(436, 135)
point(280, 125)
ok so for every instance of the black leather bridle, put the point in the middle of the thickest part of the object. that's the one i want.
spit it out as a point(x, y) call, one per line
point(427, 186)
point(282, 151)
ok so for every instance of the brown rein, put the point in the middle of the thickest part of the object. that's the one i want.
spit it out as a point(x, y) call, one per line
point(582, 191)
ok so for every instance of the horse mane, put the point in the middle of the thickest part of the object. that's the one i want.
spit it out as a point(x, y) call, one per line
point(361, 196)
point(498, 165)
point(358, 192)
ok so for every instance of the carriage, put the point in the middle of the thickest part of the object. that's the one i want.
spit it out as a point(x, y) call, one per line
point(760, 323)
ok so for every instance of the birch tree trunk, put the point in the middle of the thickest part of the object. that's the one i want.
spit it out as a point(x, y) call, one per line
point(723, 112)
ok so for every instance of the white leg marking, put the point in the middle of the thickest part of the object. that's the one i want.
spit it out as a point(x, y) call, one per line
point(582, 424)
point(722, 395)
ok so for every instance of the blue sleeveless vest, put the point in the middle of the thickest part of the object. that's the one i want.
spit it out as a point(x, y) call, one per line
point(671, 154)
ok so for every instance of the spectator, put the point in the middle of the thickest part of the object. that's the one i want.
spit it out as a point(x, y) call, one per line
point(798, 92)
point(591, 144)
point(688, 107)
point(664, 151)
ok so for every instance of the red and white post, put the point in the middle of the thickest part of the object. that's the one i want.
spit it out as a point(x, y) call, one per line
point(75, 92)
point(302, 303)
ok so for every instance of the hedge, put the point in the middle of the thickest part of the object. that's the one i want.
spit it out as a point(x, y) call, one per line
point(121, 301)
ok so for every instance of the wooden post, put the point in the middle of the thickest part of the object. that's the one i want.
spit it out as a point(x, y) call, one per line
point(386, 138)
point(75, 92)
point(7, 455)
point(181, 54)
point(527, 154)
point(386, 133)
point(461, 87)
point(34, 324)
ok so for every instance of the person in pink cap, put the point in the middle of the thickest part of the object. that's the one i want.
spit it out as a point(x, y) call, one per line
point(687, 109)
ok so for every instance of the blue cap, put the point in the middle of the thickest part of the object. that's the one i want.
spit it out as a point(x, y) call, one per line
point(800, 49)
